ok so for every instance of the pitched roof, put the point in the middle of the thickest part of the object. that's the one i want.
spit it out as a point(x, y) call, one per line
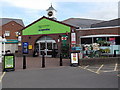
point(7, 20)
point(50, 8)
point(114, 22)
point(81, 22)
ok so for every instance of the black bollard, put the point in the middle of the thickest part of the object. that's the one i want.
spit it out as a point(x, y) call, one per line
point(114, 53)
point(60, 59)
point(43, 60)
point(24, 62)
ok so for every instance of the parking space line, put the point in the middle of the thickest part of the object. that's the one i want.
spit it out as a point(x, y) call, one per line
point(88, 69)
point(98, 71)
point(109, 71)
point(86, 66)
point(115, 69)
point(2, 76)
point(92, 71)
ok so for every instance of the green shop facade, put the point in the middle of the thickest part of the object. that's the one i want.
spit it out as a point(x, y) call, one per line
point(46, 35)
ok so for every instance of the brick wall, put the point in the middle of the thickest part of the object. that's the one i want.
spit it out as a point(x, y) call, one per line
point(85, 32)
point(12, 27)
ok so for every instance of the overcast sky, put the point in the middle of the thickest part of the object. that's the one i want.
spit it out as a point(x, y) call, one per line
point(31, 10)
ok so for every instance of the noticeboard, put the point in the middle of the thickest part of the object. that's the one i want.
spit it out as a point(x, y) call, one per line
point(9, 62)
point(30, 47)
point(74, 58)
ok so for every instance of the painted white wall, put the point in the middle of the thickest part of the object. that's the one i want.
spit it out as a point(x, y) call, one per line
point(11, 47)
point(0, 49)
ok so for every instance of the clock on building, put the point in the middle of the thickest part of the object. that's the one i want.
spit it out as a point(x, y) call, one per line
point(50, 13)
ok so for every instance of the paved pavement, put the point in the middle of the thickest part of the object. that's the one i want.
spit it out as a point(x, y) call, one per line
point(59, 77)
point(36, 62)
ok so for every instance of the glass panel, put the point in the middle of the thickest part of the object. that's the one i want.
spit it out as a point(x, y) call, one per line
point(55, 46)
point(49, 52)
point(49, 46)
point(42, 46)
point(48, 38)
point(42, 52)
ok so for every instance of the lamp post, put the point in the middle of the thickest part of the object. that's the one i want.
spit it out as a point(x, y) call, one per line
point(4, 40)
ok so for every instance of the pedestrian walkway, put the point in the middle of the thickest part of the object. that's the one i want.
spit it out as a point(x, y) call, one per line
point(36, 62)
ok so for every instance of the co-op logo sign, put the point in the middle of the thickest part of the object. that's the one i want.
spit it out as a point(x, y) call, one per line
point(44, 28)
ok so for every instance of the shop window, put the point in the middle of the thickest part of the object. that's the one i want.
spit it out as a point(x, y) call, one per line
point(86, 40)
point(117, 40)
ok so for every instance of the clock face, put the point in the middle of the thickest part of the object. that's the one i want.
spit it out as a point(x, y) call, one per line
point(50, 13)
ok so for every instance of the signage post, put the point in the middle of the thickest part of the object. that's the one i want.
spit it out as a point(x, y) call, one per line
point(9, 62)
point(74, 51)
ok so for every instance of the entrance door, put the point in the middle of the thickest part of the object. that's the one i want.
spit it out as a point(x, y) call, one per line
point(46, 47)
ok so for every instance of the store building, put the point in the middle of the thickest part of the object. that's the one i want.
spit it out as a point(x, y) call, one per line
point(106, 33)
point(45, 35)
point(10, 30)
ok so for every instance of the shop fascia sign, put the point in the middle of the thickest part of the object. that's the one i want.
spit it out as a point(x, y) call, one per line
point(44, 28)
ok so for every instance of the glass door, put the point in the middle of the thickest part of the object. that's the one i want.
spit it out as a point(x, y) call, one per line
point(49, 48)
point(46, 47)
point(42, 47)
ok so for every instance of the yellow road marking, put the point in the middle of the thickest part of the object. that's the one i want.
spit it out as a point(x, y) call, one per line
point(2, 76)
point(109, 71)
point(98, 71)
point(115, 69)
point(86, 66)
point(92, 71)
point(88, 69)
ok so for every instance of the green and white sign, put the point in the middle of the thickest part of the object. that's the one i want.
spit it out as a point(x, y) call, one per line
point(45, 26)
point(9, 61)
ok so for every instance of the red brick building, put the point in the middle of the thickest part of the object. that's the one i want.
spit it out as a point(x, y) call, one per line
point(10, 30)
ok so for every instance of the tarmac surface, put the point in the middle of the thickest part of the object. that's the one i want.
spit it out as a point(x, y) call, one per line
point(59, 77)
point(55, 76)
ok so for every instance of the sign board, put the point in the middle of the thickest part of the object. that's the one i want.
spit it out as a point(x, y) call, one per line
point(76, 48)
point(9, 62)
point(73, 38)
point(30, 46)
point(25, 47)
point(46, 26)
point(74, 58)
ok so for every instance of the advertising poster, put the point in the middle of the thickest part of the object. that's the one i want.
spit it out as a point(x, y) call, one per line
point(74, 58)
point(9, 61)
point(73, 38)
point(30, 46)
point(25, 47)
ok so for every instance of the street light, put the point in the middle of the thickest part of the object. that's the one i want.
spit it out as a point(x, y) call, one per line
point(3, 41)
